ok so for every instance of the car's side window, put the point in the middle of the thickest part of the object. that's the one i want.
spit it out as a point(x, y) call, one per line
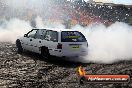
point(40, 34)
point(31, 34)
point(47, 36)
point(43, 34)
point(51, 36)
point(54, 36)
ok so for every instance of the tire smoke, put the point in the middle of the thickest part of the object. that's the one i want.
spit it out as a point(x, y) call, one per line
point(107, 44)
point(13, 29)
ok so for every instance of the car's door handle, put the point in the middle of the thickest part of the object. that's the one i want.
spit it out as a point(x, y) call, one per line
point(30, 39)
point(39, 41)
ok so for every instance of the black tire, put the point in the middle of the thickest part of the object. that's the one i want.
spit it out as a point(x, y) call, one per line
point(19, 47)
point(45, 53)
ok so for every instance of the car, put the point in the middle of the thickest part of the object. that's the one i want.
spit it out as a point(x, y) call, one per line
point(55, 42)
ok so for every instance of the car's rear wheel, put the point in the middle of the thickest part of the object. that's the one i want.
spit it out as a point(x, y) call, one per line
point(45, 53)
point(19, 47)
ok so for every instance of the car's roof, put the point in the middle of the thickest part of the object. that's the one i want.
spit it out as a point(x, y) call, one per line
point(55, 29)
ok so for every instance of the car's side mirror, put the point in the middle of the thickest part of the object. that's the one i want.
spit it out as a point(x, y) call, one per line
point(25, 35)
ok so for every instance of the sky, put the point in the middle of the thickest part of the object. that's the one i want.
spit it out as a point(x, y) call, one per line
point(128, 2)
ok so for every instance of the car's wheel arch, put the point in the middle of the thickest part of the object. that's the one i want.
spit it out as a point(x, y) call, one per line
point(45, 52)
point(19, 46)
point(18, 41)
point(44, 47)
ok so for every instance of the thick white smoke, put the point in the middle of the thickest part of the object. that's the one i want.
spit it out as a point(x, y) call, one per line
point(13, 29)
point(16, 28)
point(40, 23)
point(108, 44)
point(28, 4)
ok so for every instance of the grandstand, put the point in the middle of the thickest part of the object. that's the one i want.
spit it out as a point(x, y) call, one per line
point(72, 12)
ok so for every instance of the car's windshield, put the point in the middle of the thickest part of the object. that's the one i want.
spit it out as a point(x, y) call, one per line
point(72, 36)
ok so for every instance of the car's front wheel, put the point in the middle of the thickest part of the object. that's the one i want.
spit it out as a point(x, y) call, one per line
point(45, 52)
point(19, 47)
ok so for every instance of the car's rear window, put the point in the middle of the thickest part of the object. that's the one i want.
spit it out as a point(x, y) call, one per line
point(72, 36)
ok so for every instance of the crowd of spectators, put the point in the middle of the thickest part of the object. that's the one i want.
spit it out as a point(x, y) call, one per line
point(72, 12)
point(84, 13)
point(109, 13)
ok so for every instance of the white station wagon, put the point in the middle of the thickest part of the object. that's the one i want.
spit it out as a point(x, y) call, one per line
point(54, 42)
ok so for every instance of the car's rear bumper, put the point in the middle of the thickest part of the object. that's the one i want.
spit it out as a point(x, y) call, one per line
point(61, 53)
